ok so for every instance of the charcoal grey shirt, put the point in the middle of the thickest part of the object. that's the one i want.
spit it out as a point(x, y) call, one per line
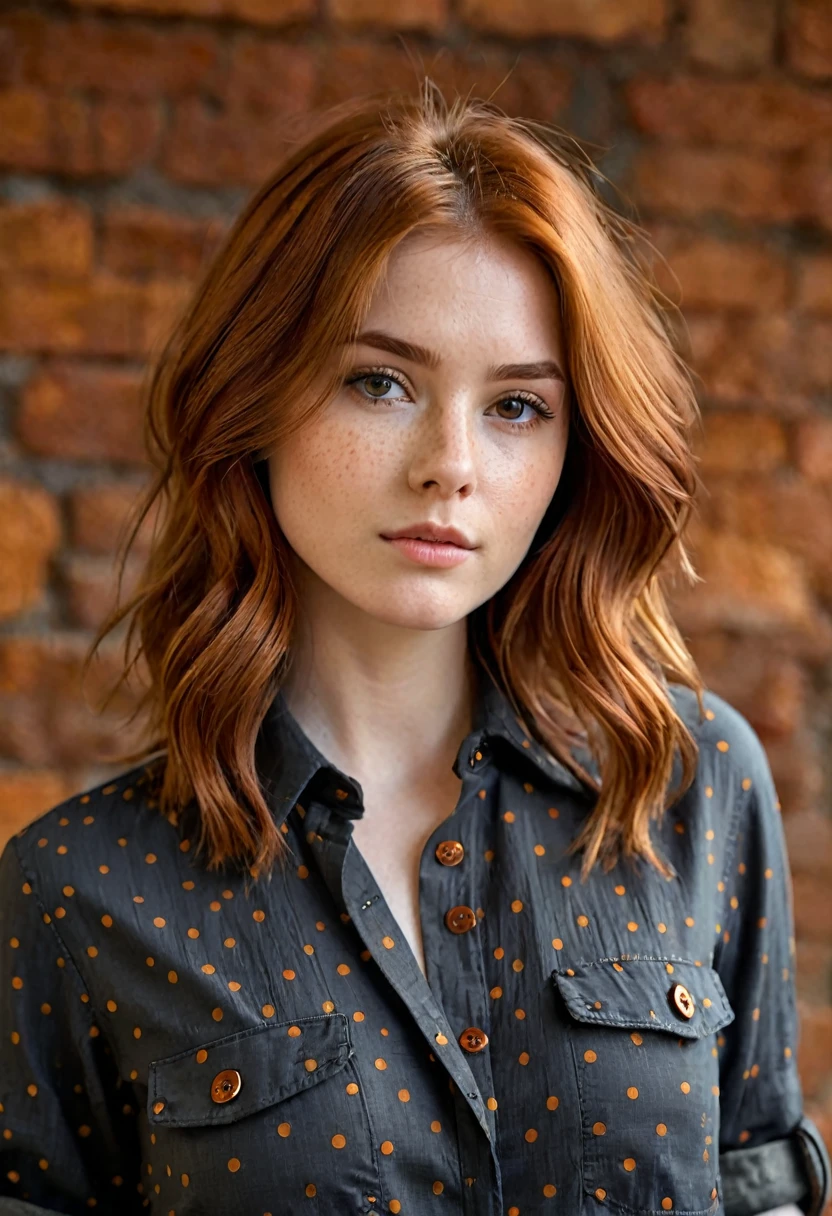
point(186, 1042)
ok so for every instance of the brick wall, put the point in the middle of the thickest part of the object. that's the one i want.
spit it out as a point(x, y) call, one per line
point(132, 130)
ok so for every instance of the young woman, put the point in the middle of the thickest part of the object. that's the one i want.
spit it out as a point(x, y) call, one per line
point(442, 884)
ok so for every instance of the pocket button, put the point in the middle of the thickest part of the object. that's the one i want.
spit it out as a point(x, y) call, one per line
point(226, 1085)
point(682, 1001)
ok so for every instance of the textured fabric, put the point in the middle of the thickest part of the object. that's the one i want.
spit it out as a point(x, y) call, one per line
point(135, 983)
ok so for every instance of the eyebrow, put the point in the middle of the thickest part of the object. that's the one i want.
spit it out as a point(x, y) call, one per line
point(546, 369)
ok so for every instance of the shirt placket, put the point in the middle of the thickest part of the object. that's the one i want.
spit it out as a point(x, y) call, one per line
point(352, 884)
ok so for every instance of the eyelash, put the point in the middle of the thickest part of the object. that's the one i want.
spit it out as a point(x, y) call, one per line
point(542, 412)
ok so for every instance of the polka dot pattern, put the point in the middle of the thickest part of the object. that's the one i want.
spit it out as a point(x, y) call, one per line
point(551, 1016)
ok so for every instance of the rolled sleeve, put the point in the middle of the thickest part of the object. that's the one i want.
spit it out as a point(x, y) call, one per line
point(771, 1153)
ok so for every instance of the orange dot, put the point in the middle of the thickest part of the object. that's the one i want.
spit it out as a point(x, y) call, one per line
point(685, 1087)
point(435, 1126)
point(395, 1206)
point(438, 1187)
point(632, 1092)
point(380, 1064)
point(387, 1147)
point(201, 1056)
point(600, 1193)
point(234, 1164)
point(583, 921)
point(352, 1088)
point(629, 1163)
point(530, 1136)
point(258, 914)
point(661, 1129)
point(566, 881)
point(557, 943)
point(632, 926)
point(590, 1056)
point(552, 1102)
point(338, 1141)
point(388, 943)
point(310, 1065)
point(267, 1011)
point(599, 1129)
point(283, 1129)
point(667, 1203)
point(311, 1190)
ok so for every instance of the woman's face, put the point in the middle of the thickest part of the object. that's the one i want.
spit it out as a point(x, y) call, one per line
point(456, 440)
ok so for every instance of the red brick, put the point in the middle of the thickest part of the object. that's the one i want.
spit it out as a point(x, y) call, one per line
point(791, 513)
point(91, 587)
point(524, 82)
point(258, 12)
point(126, 59)
point(719, 274)
point(49, 666)
point(83, 412)
point(812, 907)
point(748, 585)
point(29, 537)
point(747, 113)
point(102, 315)
point(210, 149)
point(127, 135)
point(809, 37)
point(53, 237)
point(143, 241)
point(74, 135)
point(601, 21)
point(809, 842)
point(814, 283)
point(694, 181)
point(25, 129)
point(429, 15)
point(770, 689)
point(814, 972)
point(813, 449)
point(267, 74)
point(24, 795)
point(744, 360)
point(738, 442)
point(99, 513)
point(814, 1049)
point(735, 35)
point(796, 766)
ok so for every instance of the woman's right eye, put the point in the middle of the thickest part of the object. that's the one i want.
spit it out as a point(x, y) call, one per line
point(379, 382)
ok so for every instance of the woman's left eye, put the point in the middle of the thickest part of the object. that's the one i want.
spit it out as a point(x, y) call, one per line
point(384, 379)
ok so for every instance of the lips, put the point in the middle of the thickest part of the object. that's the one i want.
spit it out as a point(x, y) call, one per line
point(431, 533)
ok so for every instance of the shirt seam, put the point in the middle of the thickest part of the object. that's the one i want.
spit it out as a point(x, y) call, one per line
point(90, 1009)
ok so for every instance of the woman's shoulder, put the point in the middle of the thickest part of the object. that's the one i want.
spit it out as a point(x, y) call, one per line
point(728, 744)
point(96, 831)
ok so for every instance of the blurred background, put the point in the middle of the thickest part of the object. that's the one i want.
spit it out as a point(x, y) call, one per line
point(132, 131)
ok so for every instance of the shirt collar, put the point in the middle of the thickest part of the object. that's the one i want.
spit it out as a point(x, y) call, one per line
point(291, 767)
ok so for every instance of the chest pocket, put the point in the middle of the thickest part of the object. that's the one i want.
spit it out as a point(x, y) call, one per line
point(275, 1109)
point(643, 1033)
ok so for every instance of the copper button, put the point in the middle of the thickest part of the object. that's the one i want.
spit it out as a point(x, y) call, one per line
point(473, 1039)
point(226, 1085)
point(682, 1000)
point(460, 919)
point(450, 852)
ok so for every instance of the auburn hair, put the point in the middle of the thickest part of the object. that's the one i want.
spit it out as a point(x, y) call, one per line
point(580, 639)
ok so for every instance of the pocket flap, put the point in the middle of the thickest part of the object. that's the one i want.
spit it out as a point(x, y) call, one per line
point(273, 1061)
point(644, 993)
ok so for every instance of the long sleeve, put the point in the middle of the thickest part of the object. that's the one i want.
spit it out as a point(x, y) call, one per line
point(771, 1153)
point(69, 1139)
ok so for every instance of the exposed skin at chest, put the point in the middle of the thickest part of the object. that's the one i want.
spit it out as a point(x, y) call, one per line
point(391, 837)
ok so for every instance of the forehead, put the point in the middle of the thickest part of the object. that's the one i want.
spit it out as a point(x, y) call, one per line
point(441, 290)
